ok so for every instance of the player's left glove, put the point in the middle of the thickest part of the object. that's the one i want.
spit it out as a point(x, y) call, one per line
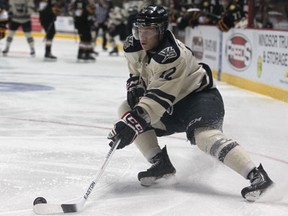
point(90, 8)
point(56, 10)
point(135, 90)
point(127, 129)
point(2, 33)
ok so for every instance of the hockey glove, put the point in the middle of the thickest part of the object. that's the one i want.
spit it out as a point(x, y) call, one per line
point(224, 24)
point(135, 90)
point(90, 9)
point(56, 10)
point(2, 33)
point(127, 129)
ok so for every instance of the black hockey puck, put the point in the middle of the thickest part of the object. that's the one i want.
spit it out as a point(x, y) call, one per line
point(39, 200)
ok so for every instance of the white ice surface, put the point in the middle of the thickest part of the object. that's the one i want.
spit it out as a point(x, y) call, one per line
point(54, 119)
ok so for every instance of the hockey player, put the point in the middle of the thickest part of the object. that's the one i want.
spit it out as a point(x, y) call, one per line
point(48, 11)
point(116, 27)
point(101, 21)
point(193, 18)
point(169, 92)
point(19, 15)
point(120, 22)
point(83, 12)
point(3, 20)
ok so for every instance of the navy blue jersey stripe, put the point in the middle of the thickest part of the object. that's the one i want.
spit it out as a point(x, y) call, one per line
point(158, 100)
point(162, 94)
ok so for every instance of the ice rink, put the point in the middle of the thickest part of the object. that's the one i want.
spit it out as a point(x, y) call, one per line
point(54, 120)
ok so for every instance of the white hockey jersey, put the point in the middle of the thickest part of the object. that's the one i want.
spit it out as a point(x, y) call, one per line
point(170, 75)
point(21, 10)
point(3, 16)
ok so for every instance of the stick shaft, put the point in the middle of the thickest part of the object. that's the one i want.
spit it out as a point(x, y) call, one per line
point(44, 208)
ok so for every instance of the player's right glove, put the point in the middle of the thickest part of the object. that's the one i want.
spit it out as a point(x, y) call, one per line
point(135, 90)
point(127, 129)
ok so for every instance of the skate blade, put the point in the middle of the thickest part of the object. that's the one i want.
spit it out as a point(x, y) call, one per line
point(113, 54)
point(50, 60)
point(258, 194)
point(253, 196)
point(85, 61)
point(165, 179)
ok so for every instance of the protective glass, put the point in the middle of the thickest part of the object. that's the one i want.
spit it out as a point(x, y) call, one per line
point(144, 31)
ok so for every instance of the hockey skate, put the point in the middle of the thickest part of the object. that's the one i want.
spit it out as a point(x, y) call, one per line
point(5, 51)
point(81, 55)
point(260, 182)
point(32, 52)
point(50, 57)
point(161, 168)
point(88, 56)
point(95, 53)
point(114, 51)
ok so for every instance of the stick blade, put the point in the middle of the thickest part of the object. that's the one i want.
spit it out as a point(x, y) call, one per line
point(69, 208)
point(46, 209)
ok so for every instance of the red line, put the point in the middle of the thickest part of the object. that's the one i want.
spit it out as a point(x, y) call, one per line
point(106, 128)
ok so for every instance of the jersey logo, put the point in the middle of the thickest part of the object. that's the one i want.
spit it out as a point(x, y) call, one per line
point(167, 74)
point(128, 42)
point(168, 53)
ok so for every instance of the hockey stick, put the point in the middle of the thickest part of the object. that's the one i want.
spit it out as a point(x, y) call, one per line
point(42, 207)
point(203, 13)
point(48, 31)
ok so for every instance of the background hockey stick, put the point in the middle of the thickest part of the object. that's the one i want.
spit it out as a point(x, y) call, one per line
point(203, 13)
point(42, 207)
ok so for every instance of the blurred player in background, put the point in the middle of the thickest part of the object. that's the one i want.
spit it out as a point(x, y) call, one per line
point(225, 14)
point(20, 15)
point(120, 22)
point(100, 23)
point(193, 18)
point(116, 27)
point(3, 20)
point(48, 11)
point(83, 12)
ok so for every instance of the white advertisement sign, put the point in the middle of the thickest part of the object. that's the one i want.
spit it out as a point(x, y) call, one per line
point(204, 41)
point(260, 56)
point(65, 24)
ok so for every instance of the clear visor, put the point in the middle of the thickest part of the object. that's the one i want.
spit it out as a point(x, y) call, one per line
point(147, 32)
